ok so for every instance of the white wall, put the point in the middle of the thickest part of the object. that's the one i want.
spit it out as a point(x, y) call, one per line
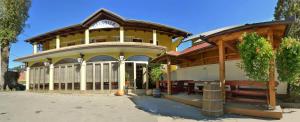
point(211, 72)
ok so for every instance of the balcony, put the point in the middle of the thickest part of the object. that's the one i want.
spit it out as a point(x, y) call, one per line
point(103, 47)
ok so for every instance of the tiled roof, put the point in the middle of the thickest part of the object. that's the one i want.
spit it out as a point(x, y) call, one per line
point(190, 49)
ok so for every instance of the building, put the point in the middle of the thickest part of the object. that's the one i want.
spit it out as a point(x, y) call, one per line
point(214, 57)
point(105, 52)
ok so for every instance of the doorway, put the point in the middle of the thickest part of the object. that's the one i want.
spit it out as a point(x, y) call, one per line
point(136, 76)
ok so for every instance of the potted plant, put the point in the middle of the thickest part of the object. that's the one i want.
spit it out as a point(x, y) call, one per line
point(155, 75)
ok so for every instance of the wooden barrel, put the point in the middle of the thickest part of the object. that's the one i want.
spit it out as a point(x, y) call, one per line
point(212, 102)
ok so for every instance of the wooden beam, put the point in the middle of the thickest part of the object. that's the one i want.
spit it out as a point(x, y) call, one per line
point(230, 47)
point(169, 76)
point(271, 83)
point(222, 66)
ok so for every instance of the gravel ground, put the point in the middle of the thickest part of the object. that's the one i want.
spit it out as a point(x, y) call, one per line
point(54, 107)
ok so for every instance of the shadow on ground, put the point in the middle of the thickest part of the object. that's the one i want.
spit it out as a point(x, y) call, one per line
point(164, 107)
point(169, 108)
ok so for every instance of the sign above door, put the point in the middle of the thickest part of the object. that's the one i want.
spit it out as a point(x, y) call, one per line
point(104, 24)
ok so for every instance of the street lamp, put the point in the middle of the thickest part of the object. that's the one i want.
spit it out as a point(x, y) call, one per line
point(48, 62)
point(80, 59)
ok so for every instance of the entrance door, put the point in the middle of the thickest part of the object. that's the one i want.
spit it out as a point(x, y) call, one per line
point(136, 75)
point(141, 76)
point(129, 75)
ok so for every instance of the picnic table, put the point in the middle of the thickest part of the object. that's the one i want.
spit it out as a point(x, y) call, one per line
point(179, 86)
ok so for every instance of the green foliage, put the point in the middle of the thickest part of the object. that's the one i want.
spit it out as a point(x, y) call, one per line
point(288, 60)
point(155, 72)
point(13, 14)
point(256, 53)
point(286, 10)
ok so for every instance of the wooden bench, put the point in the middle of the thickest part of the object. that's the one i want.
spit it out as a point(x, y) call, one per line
point(247, 91)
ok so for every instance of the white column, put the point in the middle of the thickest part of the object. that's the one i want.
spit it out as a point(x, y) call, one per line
point(51, 77)
point(83, 76)
point(87, 36)
point(35, 50)
point(134, 75)
point(102, 82)
point(122, 75)
point(27, 77)
point(121, 34)
point(57, 42)
point(154, 37)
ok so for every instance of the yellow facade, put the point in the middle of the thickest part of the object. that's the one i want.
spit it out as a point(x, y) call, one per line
point(104, 35)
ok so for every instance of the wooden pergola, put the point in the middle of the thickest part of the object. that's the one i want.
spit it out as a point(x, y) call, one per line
point(218, 46)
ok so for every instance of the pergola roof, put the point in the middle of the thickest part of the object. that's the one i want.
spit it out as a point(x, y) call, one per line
point(202, 43)
point(229, 29)
point(177, 57)
point(106, 14)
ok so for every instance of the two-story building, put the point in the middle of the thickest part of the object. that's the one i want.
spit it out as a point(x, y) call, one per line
point(105, 52)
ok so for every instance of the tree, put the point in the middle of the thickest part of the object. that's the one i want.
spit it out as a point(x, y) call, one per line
point(155, 73)
point(288, 63)
point(287, 10)
point(256, 53)
point(13, 14)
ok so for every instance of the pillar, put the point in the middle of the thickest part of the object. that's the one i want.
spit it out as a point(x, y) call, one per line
point(121, 34)
point(83, 76)
point(51, 77)
point(222, 67)
point(35, 50)
point(154, 37)
point(87, 36)
point(57, 42)
point(27, 77)
point(134, 75)
point(122, 75)
point(271, 83)
point(169, 89)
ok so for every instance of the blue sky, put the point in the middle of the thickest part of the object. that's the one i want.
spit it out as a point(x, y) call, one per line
point(194, 16)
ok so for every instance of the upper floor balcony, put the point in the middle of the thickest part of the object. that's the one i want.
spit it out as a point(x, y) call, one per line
point(105, 31)
point(112, 35)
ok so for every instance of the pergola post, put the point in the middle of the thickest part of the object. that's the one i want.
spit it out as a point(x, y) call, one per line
point(222, 67)
point(271, 83)
point(169, 89)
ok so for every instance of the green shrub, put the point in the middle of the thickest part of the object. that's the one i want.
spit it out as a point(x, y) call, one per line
point(256, 53)
point(155, 72)
point(288, 61)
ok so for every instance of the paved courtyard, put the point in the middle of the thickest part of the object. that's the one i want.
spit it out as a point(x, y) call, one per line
point(54, 107)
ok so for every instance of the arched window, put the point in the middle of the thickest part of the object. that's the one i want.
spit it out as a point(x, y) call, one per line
point(38, 64)
point(102, 58)
point(139, 58)
point(67, 61)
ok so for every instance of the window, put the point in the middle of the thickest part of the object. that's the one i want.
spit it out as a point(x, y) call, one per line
point(116, 38)
point(137, 40)
point(40, 47)
point(98, 39)
point(70, 44)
